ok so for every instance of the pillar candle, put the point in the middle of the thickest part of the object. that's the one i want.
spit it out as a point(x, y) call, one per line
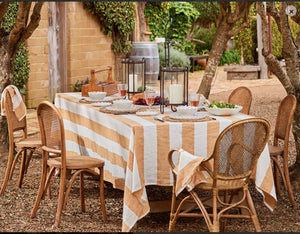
point(130, 85)
point(176, 93)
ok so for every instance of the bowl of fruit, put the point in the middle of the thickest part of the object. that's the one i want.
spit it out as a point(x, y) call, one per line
point(222, 108)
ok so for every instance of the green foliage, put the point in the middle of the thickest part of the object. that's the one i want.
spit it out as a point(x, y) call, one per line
point(206, 11)
point(10, 16)
point(158, 18)
point(246, 40)
point(21, 65)
point(117, 20)
point(182, 13)
point(21, 68)
point(230, 57)
point(79, 83)
point(177, 58)
point(207, 35)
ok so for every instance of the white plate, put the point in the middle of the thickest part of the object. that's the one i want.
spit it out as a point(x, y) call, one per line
point(105, 99)
point(223, 111)
point(199, 115)
point(102, 104)
point(112, 108)
point(148, 112)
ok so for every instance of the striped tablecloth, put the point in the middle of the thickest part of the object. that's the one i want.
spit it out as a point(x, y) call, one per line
point(135, 148)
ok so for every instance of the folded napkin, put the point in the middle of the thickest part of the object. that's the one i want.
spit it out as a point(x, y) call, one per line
point(188, 171)
point(19, 106)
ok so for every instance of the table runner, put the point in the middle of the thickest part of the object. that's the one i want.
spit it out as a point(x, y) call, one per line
point(135, 148)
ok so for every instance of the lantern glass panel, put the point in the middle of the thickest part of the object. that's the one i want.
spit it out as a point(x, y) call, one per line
point(133, 72)
point(174, 87)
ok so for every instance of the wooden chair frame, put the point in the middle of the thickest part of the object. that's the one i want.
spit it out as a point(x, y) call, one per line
point(241, 96)
point(220, 205)
point(24, 144)
point(283, 124)
point(56, 158)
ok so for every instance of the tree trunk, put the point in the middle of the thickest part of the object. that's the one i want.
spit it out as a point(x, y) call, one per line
point(118, 68)
point(219, 44)
point(6, 76)
point(140, 23)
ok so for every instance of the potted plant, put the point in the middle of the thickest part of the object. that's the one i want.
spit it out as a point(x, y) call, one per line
point(202, 61)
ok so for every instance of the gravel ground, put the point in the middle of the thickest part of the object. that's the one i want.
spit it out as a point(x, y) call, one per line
point(16, 204)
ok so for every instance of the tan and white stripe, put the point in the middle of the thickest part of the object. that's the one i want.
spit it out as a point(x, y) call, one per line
point(19, 106)
point(134, 148)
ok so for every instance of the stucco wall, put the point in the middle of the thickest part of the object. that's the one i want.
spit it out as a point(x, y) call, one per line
point(87, 48)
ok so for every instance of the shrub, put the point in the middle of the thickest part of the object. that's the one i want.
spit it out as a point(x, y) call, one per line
point(207, 35)
point(230, 57)
point(182, 13)
point(177, 58)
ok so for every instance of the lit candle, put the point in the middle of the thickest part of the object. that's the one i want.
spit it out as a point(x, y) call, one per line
point(176, 93)
point(131, 83)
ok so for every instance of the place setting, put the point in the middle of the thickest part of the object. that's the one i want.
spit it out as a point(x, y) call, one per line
point(96, 98)
point(187, 114)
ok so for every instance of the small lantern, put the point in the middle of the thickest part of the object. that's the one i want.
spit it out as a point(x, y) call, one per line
point(173, 87)
point(133, 74)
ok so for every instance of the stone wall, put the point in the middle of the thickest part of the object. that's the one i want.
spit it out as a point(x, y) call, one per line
point(87, 48)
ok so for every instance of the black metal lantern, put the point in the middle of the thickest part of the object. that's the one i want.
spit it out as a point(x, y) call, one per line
point(133, 74)
point(173, 87)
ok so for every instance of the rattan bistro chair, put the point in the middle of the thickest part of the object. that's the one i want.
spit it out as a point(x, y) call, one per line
point(235, 154)
point(53, 142)
point(21, 146)
point(282, 132)
point(241, 96)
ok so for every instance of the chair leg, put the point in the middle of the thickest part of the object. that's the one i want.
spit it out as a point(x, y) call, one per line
point(215, 227)
point(22, 168)
point(41, 190)
point(102, 202)
point(276, 174)
point(82, 192)
point(8, 170)
point(61, 197)
point(288, 182)
point(252, 211)
point(28, 160)
point(14, 163)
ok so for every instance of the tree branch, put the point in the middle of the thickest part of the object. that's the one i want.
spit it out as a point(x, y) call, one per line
point(270, 59)
point(235, 31)
point(3, 8)
point(19, 26)
point(272, 10)
point(34, 21)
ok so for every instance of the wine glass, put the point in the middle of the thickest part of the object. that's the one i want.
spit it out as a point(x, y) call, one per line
point(122, 88)
point(150, 97)
point(194, 99)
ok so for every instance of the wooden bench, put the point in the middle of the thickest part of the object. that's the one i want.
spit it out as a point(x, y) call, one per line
point(242, 72)
point(193, 58)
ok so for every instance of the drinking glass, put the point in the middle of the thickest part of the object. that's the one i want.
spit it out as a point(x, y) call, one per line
point(194, 99)
point(150, 97)
point(122, 88)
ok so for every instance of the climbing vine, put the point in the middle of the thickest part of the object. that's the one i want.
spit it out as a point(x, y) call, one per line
point(116, 20)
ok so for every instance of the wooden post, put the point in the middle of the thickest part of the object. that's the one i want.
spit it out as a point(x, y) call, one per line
point(261, 60)
point(57, 40)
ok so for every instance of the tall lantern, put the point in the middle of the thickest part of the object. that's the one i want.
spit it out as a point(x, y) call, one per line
point(133, 74)
point(173, 87)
